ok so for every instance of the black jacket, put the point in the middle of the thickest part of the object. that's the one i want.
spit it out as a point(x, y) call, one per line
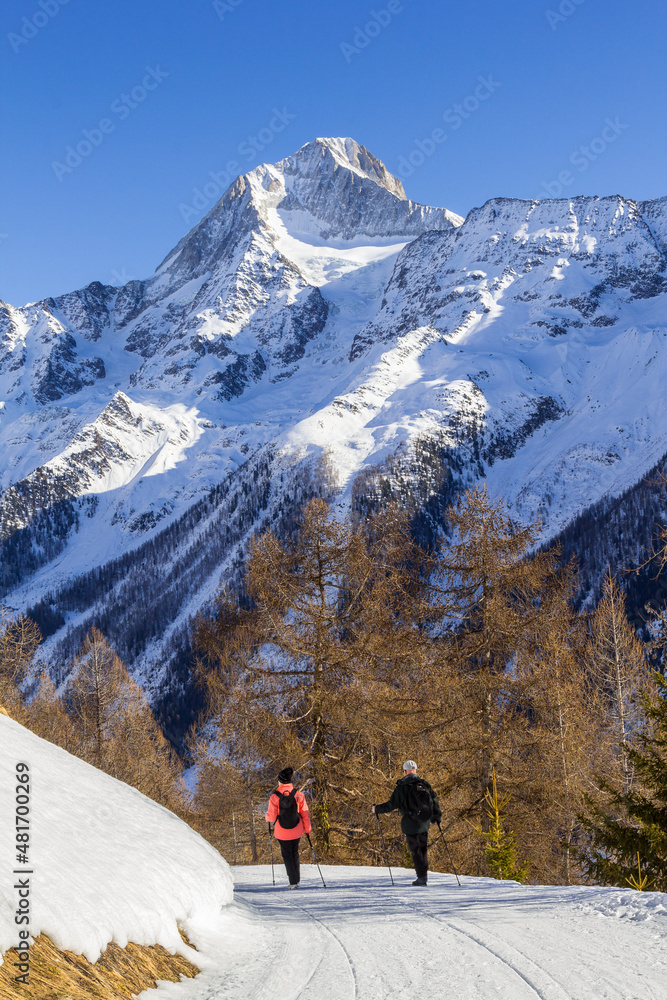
point(399, 800)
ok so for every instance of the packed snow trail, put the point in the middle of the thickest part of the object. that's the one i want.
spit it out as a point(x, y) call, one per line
point(364, 939)
point(108, 864)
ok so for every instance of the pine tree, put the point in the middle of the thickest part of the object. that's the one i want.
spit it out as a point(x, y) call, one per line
point(634, 821)
point(500, 848)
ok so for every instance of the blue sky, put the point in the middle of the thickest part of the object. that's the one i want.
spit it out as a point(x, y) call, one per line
point(466, 101)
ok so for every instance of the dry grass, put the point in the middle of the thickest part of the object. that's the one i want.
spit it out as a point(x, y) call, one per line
point(118, 974)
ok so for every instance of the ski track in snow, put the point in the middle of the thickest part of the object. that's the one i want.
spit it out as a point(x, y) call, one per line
point(363, 939)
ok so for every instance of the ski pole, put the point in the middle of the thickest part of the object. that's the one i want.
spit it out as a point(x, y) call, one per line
point(384, 847)
point(268, 830)
point(316, 861)
point(449, 853)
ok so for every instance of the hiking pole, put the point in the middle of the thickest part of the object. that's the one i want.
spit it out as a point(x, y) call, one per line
point(268, 830)
point(449, 853)
point(316, 861)
point(384, 847)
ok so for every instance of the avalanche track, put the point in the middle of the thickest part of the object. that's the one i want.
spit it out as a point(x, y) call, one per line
point(364, 939)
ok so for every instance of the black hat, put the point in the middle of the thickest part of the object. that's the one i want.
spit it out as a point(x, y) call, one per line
point(285, 775)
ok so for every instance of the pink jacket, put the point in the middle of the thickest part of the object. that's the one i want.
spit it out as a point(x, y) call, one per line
point(303, 826)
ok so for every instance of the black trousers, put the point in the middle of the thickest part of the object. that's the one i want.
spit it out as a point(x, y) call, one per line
point(418, 844)
point(290, 852)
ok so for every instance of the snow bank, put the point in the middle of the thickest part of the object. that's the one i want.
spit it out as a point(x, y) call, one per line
point(627, 904)
point(105, 863)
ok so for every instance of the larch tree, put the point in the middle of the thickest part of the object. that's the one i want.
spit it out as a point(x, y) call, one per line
point(499, 590)
point(19, 639)
point(47, 715)
point(237, 745)
point(114, 727)
point(94, 698)
point(619, 668)
point(326, 610)
point(567, 724)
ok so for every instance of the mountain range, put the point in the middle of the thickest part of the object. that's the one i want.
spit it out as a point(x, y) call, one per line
point(147, 431)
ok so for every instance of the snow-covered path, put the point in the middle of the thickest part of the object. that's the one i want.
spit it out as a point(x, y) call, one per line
point(362, 939)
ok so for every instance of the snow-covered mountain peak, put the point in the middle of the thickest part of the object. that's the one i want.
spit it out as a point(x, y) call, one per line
point(348, 193)
point(330, 189)
point(315, 306)
point(314, 157)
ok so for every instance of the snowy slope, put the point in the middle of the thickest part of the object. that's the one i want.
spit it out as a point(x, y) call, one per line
point(540, 325)
point(487, 940)
point(105, 863)
point(155, 426)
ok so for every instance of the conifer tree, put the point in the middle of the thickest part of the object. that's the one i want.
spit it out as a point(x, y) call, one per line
point(238, 746)
point(328, 614)
point(617, 663)
point(632, 821)
point(114, 728)
point(47, 716)
point(499, 593)
point(566, 730)
point(19, 639)
point(500, 847)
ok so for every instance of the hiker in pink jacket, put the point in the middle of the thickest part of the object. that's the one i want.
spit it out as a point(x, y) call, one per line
point(288, 811)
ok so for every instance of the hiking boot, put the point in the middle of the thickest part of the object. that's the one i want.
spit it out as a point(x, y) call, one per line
point(422, 880)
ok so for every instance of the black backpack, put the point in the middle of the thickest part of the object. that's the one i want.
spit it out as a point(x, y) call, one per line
point(288, 814)
point(419, 801)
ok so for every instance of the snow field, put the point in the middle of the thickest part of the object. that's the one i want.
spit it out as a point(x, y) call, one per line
point(364, 939)
point(106, 863)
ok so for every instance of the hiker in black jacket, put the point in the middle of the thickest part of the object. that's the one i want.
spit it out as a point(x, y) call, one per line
point(414, 822)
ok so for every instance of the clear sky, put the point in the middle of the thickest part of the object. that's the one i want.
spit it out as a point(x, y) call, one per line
point(116, 111)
